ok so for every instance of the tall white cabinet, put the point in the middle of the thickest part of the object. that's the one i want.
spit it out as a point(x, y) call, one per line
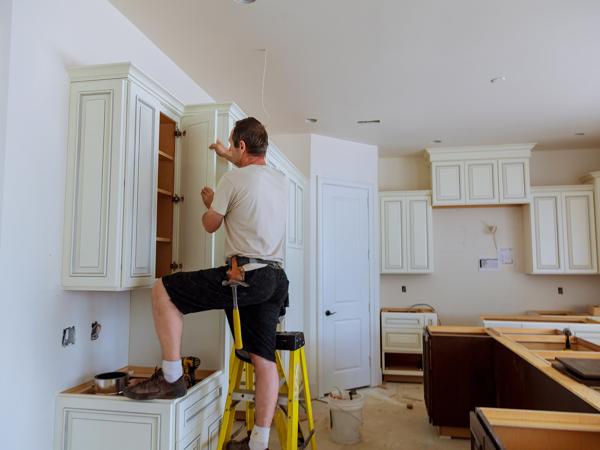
point(560, 230)
point(137, 161)
point(482, 175)
point(406, 232)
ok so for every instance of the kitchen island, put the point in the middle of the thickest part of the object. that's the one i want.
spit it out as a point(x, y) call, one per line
point(469, 367)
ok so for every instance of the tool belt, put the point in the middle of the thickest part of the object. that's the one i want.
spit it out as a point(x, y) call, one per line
point(243, 260)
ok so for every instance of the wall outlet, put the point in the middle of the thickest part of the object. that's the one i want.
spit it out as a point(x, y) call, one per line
point(68, 336)
point(403, 288)
point(560, 291)
point(95, 334)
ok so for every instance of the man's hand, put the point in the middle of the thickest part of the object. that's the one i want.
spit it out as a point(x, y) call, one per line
point(221, 150)
point(207, 196)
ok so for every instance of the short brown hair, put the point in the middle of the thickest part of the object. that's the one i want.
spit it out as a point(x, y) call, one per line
point(253, 133)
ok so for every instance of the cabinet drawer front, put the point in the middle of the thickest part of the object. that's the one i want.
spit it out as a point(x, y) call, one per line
point(101, 430)
point(547, 233)
point(407, 320)
point(482, 182)
point(392, 236)
point(580, 232)
point(94, 188)
point(514, 181)
point(194, 410)
point(448, 183)
point(409, 341)
point(419, 235)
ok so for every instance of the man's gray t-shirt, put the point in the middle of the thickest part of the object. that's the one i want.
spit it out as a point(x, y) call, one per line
point(254, 201)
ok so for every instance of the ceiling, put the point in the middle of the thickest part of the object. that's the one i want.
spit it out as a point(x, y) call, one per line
point(423, 67)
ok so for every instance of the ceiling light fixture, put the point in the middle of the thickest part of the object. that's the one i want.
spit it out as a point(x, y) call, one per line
point(364, 122)
point(311, 120)
point(437, 141)
point(580, 134)
point(244, 2)
point(497, 79)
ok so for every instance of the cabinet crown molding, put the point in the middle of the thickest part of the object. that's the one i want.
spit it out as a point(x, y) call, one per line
point(126, 70)
point(591, 177)
point(220, 108)
point(479, 152)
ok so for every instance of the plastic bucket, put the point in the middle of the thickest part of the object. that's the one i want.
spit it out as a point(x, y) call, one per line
point(345, 418)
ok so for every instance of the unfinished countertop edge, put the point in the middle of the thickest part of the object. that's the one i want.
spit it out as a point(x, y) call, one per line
point(542, 318)
point(588, 395)
point(73, 392)
point(527, 418)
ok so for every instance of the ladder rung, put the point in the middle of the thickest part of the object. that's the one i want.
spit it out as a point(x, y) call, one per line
point(244, 395)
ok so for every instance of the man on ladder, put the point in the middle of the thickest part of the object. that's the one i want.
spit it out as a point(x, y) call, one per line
point(251, 202)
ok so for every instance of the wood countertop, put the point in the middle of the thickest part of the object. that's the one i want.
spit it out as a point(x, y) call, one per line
point(540, 318)
point(588, 395)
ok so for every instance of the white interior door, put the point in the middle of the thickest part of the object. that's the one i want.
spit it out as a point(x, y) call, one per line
point(344, 281)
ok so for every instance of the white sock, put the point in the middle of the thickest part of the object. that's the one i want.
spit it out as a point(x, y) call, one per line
point(172, 370)
point(259, 439)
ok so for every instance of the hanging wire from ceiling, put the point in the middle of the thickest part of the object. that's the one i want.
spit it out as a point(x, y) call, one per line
point(262, 91)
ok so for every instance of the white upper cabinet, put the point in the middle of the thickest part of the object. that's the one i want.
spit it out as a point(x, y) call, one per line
point(110, 197)
point(448, 182)
point(513, 180)
point(484, 175)
point(594, 179)
point(482, 181)
point(406, 232)
point(560, 230)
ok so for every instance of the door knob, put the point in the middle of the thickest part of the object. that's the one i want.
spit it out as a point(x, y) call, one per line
point(329, 313)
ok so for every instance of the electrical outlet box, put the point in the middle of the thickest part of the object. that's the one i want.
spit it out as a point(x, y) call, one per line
point(403, 288)
point(68, 336)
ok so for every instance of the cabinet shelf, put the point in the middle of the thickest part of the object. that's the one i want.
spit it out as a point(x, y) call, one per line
point(164, 192)
point(165, 156)
point(162, 239)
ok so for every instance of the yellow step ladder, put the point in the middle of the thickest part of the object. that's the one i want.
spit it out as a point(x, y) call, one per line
point(290, 433)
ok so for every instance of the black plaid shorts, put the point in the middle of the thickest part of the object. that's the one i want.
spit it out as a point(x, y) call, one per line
point(261, 304)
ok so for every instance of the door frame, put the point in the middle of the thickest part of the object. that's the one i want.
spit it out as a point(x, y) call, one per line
point(374, 325)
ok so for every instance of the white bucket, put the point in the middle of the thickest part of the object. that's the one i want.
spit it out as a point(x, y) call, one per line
point(345, 417)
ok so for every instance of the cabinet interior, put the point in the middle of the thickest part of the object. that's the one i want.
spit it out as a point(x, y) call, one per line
point(166, 187)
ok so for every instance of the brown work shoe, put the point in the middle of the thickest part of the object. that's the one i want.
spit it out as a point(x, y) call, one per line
point(239, 445)
point(156, 387)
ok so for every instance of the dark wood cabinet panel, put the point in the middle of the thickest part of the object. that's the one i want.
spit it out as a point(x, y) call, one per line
point(458, 376)
point(519, 385)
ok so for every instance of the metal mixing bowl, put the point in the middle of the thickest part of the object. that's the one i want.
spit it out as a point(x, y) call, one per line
point(111, 382)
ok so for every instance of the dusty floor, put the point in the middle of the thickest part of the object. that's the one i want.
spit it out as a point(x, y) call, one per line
point(388, 424)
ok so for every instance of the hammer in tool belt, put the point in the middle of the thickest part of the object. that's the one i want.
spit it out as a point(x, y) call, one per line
point(235, 278)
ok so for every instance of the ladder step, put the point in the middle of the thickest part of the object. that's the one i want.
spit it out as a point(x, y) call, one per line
point(244, 395)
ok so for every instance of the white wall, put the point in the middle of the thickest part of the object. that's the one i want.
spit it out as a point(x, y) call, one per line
point(343, 161)
point(458, 291)
point(296, 147)
point(46, 37)
point(5, 27)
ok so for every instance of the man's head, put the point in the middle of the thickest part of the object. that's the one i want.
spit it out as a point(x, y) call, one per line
point(249, 139)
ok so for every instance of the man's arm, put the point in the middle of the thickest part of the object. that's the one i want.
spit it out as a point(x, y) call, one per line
point(212, 220)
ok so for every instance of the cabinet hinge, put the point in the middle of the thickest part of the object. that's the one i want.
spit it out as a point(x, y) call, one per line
point(177, 198)
point(179, 133)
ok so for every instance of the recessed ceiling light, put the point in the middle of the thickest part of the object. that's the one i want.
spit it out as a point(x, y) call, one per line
point(310, 120)
point(363, 122)
point(437, 141)
point(244, 2)
point(580, 134)
point(498, 79)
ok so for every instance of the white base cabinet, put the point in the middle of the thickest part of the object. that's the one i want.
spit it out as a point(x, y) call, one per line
point(402, 340)
point(406, 232)
point(560, 230)
point(99, 422)
point(482, 175)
